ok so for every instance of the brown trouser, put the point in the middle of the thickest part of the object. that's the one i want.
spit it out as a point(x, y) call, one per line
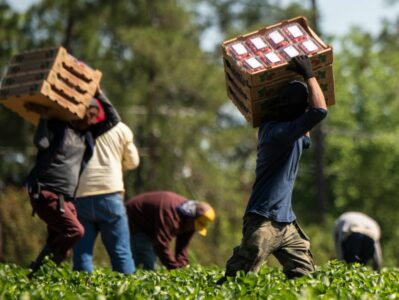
point(63, 227)
point(262, 237)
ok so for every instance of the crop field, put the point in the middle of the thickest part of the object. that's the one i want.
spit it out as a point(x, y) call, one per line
point(332, 281)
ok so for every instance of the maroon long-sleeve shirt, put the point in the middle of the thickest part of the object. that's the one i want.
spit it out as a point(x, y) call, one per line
point(156, 214)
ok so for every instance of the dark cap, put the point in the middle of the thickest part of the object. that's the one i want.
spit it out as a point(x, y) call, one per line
point(93, 103)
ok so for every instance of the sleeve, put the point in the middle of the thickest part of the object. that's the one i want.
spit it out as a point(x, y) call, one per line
point(111, 117)
point(43, 135)
point(338, 240)
point(130, 159)
point(377, 258)
point(181, 251)
point(162, 249)
point(288, 132)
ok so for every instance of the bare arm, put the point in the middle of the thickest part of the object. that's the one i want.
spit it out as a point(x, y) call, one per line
point(316, 96)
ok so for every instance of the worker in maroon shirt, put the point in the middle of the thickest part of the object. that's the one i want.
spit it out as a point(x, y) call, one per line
point(155, 218)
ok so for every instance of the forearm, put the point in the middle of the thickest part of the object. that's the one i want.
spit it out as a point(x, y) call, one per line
point(111, 117)
point(166, 257)
point(131, 159)
point(316, 96)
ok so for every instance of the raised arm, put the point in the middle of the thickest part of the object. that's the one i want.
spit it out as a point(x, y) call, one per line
point(288, 132)
point(301, 65)
point(111, 115)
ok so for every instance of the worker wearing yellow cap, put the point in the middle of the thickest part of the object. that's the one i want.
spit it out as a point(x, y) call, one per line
point(156, 218)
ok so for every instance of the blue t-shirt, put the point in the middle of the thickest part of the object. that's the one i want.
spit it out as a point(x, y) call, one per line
point(280, 146)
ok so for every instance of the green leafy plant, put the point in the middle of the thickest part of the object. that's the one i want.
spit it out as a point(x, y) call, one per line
point(331, 281)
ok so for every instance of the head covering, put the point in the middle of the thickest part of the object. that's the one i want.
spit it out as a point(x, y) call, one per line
point(97, 104)
point(205, 215)
point(188, 208)
point(202, 212)
point(93, 103)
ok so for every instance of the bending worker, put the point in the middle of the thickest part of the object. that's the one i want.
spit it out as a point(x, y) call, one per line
point(155, 218)
point(357, 239)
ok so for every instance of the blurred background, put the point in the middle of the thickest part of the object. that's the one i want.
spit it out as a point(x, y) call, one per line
point(162, 68)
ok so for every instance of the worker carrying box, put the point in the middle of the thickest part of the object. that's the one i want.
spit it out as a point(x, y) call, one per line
point(51, 78)
point(257, 65)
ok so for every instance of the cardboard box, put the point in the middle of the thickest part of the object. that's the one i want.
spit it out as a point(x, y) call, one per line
point(59, 63)
point(253, 92)
point(255, 111)
point(324, 75)
point(52, 77)
point(322, 58)
point(49, 77)
point(42, 93)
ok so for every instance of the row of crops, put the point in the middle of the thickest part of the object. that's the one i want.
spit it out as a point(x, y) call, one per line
point(332, 281)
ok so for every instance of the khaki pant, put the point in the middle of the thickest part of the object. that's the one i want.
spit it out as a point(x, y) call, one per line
point(262, 237)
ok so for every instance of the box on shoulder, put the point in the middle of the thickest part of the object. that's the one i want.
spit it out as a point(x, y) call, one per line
point(262, 66)
point(52, 78)
point(324, 75)
point(59, 106)
point(256, 65)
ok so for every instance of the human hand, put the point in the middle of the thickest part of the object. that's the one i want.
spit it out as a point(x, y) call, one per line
point(301, 65)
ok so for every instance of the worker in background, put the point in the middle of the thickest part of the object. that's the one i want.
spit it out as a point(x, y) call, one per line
point(357, 239)
point(156, 218)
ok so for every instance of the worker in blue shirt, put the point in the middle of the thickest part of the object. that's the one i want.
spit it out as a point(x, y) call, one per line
point(270, 225)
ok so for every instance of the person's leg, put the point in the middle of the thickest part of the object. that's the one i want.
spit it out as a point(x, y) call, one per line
point(294, 253)
point(143, 250)
point(260, 238)
point(83, 251)
point(114, 228)
point(65, 226)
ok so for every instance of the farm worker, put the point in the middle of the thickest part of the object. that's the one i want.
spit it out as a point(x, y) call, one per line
point(155, 218)
point(99, 201)
point(357, 239)
point(269, 223)
point(64, 148)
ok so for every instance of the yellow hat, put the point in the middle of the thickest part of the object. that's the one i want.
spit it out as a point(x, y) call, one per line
point(206, 216)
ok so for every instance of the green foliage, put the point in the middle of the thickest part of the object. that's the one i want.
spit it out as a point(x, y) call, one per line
point(332, 281)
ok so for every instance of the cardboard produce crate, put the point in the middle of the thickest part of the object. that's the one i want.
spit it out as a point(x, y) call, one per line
point(251, 85)
point(324, 75)
point(255, 111)
point(61, 107)
point(49, 77)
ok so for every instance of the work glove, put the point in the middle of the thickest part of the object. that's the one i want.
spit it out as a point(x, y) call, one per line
point(301, 65)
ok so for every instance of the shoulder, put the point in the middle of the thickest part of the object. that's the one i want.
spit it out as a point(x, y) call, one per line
point(124, 129)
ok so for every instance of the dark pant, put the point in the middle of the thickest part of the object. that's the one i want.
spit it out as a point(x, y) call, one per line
point(143, 250)
point(262, 237)
point(64, 228)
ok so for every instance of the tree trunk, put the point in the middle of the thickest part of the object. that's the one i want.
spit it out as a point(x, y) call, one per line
point(67, 43)
point(1, 244)
point(318, 139)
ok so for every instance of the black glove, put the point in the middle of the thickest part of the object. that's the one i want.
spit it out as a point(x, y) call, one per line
point(301, 65)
